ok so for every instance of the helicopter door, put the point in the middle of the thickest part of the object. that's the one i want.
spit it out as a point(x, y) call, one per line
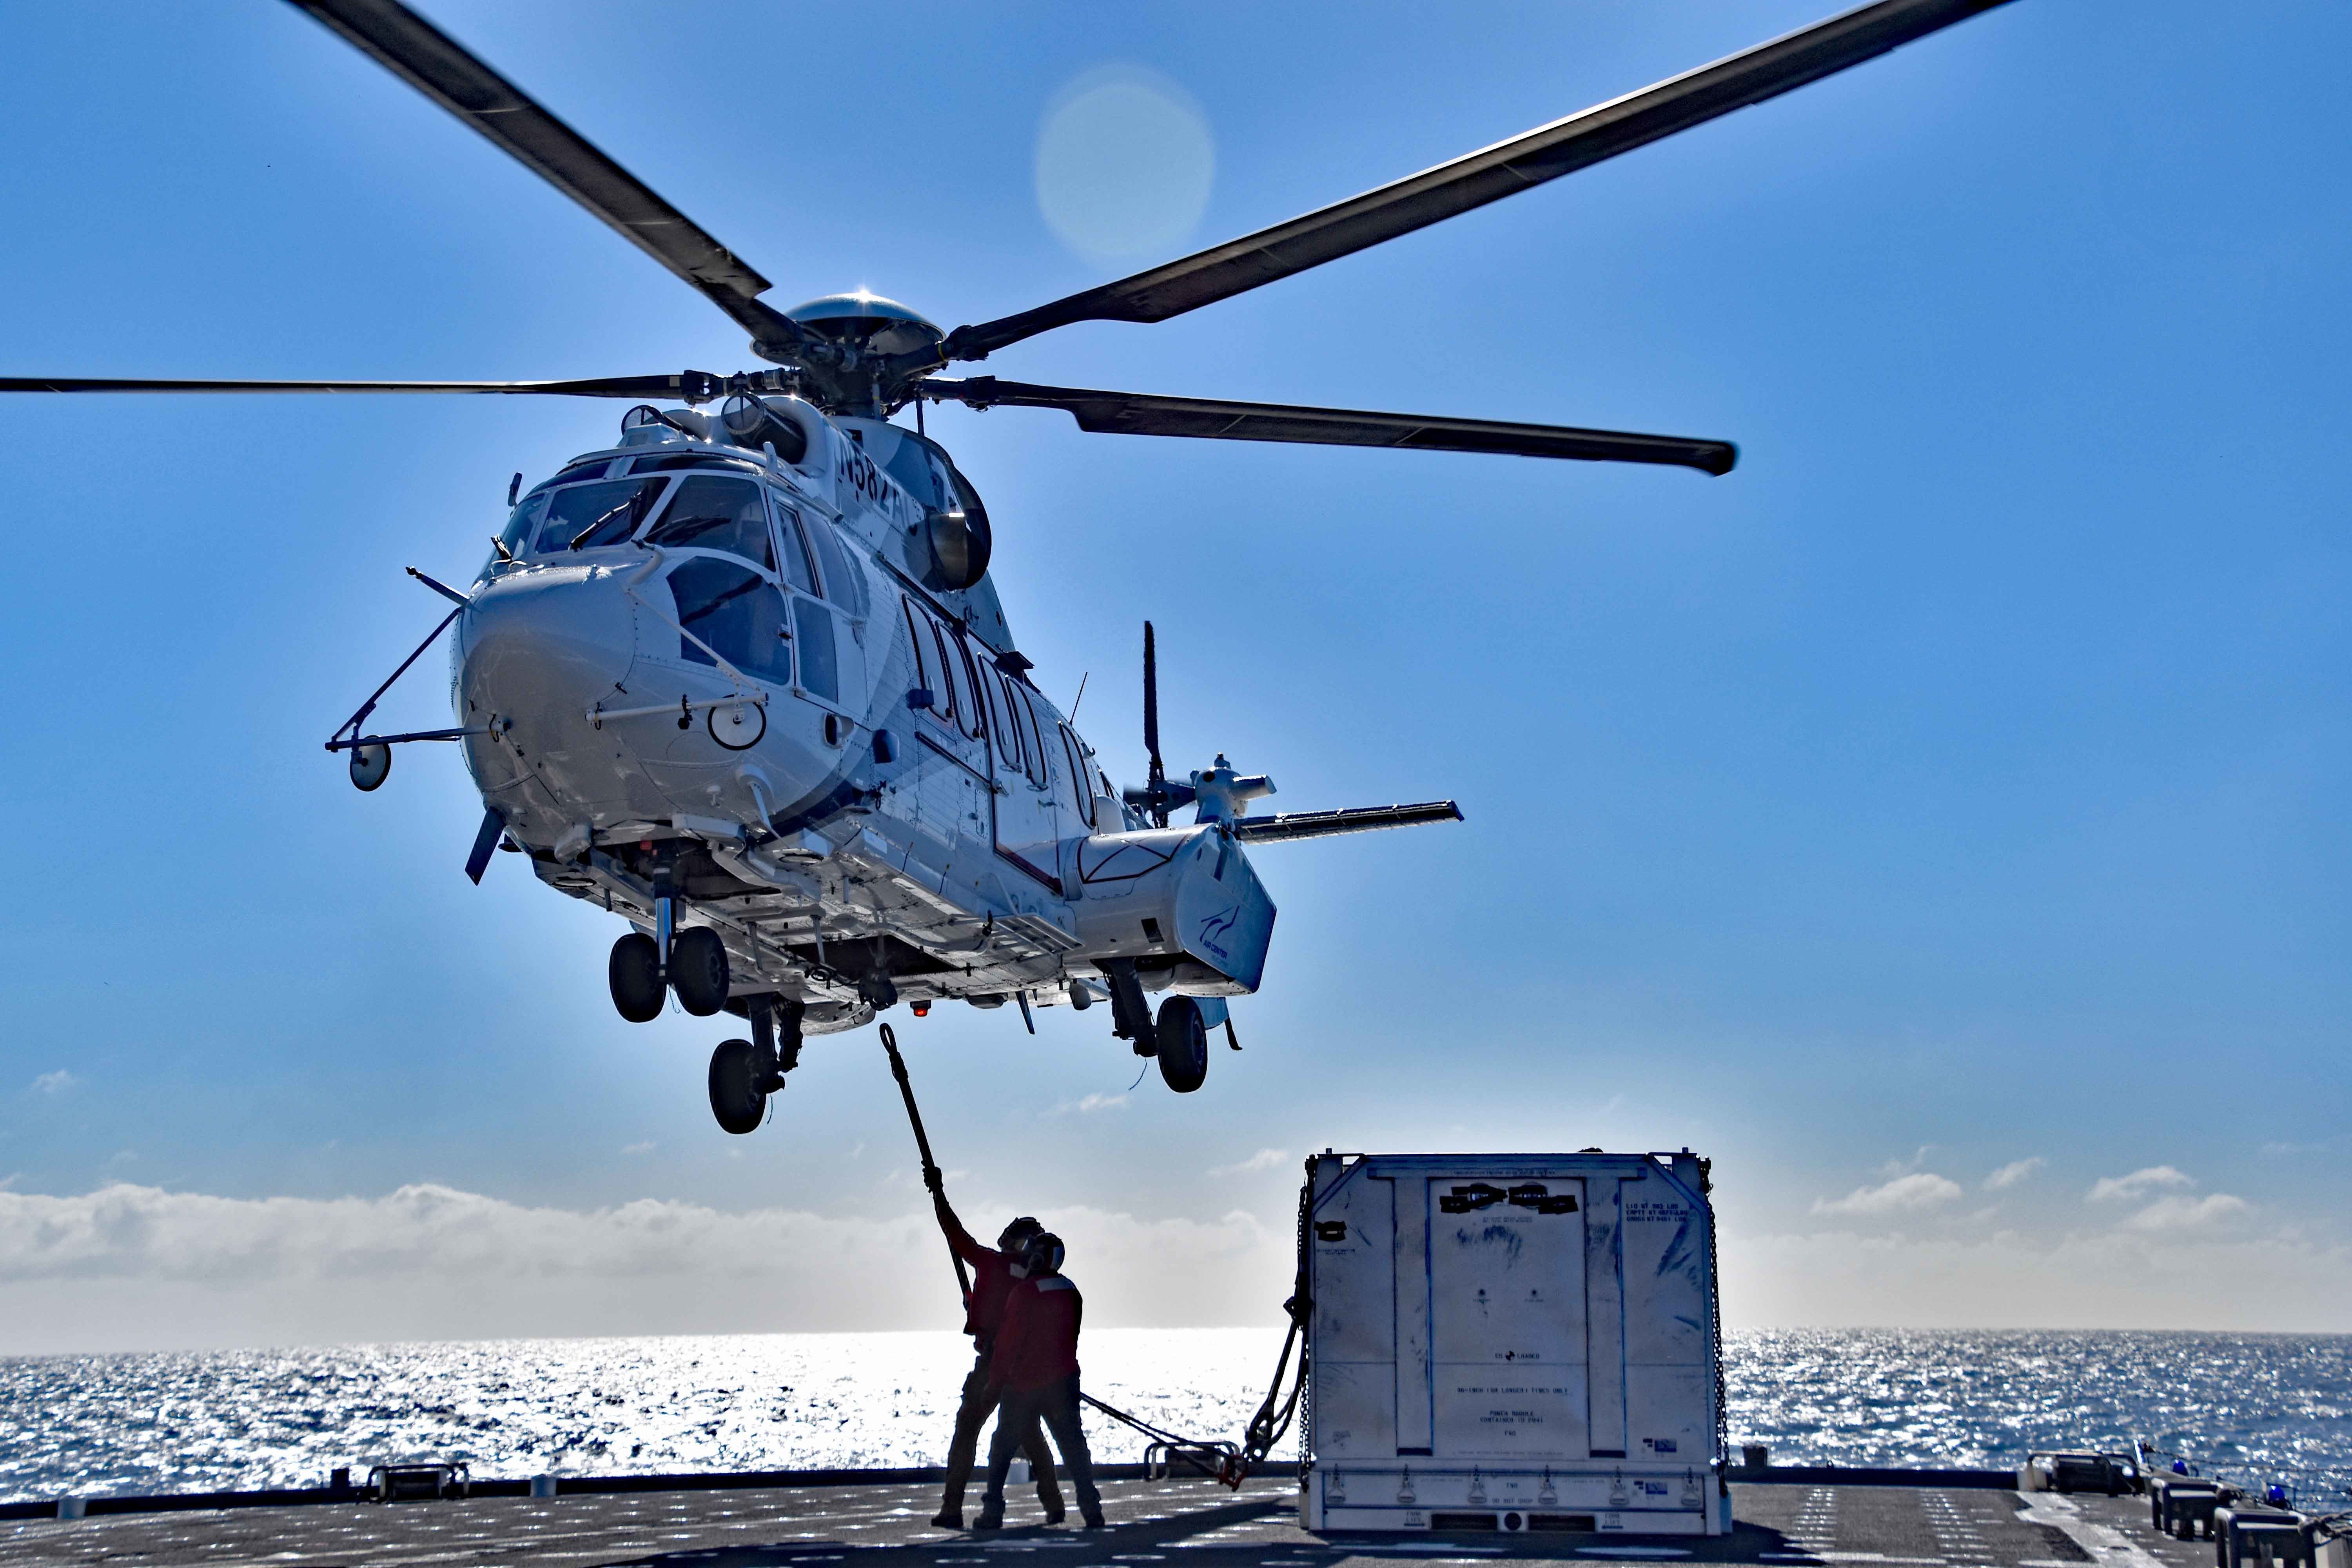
point(843, 582)
point(1028, 827)
point(950, 751)
point(820, 637)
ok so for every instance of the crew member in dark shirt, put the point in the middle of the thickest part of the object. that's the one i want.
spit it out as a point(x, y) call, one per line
point(1035, 1369)
point(993, 1281)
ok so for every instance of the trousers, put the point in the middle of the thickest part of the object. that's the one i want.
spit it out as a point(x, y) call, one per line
point(1056, 1404)
point(963, 1448)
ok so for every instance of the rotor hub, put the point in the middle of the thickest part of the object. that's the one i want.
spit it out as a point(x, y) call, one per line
point(867, 325)
point(865, 346)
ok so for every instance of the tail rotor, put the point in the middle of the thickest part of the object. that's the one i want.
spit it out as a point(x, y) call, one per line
point(1157, 795)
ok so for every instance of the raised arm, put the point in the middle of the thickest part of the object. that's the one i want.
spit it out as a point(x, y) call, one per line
point(959, 1240)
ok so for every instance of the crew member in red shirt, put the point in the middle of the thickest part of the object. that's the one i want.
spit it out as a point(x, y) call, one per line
point(993, 1281)
point(1037, 1372)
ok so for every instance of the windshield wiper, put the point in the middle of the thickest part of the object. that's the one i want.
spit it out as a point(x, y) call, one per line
point(583, 537)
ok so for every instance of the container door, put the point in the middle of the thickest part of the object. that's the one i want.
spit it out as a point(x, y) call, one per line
point(1353, 1236)
point(1507, 1318)
point(1669, 1360)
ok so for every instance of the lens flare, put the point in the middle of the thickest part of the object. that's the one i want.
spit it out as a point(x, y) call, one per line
point(1124, 164)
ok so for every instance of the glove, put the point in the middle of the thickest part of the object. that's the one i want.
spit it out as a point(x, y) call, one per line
point(935, 1181)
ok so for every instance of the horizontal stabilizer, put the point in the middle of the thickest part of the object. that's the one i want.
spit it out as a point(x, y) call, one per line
point(1354, 820)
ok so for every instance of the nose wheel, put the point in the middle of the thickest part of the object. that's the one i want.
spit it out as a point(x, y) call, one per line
point(697, 970)
point(635, 973)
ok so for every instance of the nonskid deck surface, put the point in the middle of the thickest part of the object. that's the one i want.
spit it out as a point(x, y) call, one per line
point(1175, 1524)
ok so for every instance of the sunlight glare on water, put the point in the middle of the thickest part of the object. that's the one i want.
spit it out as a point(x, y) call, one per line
point(2254, 1405)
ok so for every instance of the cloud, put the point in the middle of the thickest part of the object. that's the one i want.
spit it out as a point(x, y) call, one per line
point(56, 1082)
point(131, 1267)
point(1093, 1103)
point(2140, 1183)
point(2187, 1214)
point(2009, 1176)
point(637, 1148)
point(1263, 1159)
point(1920, 1190)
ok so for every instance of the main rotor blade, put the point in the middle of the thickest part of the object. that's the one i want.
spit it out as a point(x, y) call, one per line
point(695, 385)
point(1490, 174)
point(1151, 703)
point(452, 77)
point(1146, 414)
point(1330, 824)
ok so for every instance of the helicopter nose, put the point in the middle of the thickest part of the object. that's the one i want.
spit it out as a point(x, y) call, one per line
point(540, 646)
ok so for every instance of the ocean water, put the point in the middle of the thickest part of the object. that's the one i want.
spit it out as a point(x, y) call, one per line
point(2255, 1406)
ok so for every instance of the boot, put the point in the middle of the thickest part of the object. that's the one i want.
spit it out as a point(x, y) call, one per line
point(1095, 1520)
point(992, 1517)
point(947, 1519)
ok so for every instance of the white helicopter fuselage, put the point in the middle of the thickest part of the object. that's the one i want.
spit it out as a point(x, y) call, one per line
point(717, 672)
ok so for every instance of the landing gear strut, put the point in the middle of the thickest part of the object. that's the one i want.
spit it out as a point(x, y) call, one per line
point(1131, 1014)
point(692, 963)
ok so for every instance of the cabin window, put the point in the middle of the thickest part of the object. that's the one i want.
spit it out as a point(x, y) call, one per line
point(813, 629)
point(1081, 796)
point(794, 549)
point(711, 513)
point(1008, 728)
point(949, 698)
point(739, 612)
point(1033, 741)
point(931, 666)
point(926, 676)
point(582, 517)
point(974, 709)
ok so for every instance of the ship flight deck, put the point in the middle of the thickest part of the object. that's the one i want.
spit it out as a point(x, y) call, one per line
point(1179, 1523)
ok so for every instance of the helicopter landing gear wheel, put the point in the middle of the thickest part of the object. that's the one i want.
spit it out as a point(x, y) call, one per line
point(1183, 1045)
point(697, 970)
point(634, 971)
point(736, 1099)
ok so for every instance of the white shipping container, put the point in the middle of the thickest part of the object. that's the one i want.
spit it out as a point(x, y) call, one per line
point(1512, 1342)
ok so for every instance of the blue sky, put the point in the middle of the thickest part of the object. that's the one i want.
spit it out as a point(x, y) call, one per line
point(1954, 786)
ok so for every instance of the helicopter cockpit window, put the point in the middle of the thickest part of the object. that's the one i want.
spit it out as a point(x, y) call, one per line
point(843, 585)
point(589, 469)
point(713, 513)
point(522, 525)
point(663, 464)
point(738, 612)
point(796, 561)
point(582, 517)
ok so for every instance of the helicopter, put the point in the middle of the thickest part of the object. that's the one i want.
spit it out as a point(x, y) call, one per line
point(742, 676)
